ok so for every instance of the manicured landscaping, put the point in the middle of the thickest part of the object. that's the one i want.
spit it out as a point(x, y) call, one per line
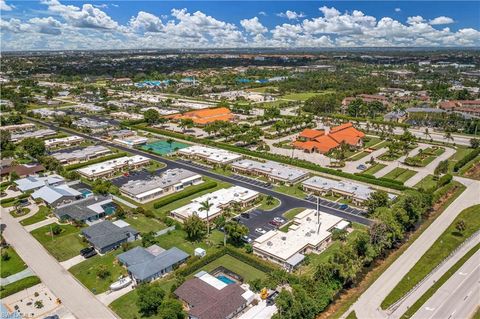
point(267, 205)
point(359, 155)
point(294, 190)
point(440, 249)
point(400, 174)
point(293, 212)
point(233, 264)
point(63, 246)
point(374, 168)
point(428, 182)
point(90, 271)
point(17, 286)
point(371, 141)
point(12, 264)
point(425, 156)
point(42, 214)
point(438, 284)
point(459, 154)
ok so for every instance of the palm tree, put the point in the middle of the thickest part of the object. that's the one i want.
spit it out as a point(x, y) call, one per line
point(448, 136)
point(205, 207)
point(427, 132)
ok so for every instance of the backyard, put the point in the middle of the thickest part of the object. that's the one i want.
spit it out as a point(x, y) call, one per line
point(247, 272)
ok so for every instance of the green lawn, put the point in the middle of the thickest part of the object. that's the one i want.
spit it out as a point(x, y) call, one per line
point(178, 238)
point(290, 190)
point(400, 174)
point(374, 168)
point(126, 305)
point(440, 249)
point(293, 212)
point(63, 246)
point(18, 286)
point(264, 205)
point(431, 291)
point(427, 183)
point(426, 156)
point(11, 266)
point(144, 224)
point(358, 156)
point(459, 154)
point(371, 141)
point(303, 96)
point(231, 263)
point(42, 214)
point(86, 271)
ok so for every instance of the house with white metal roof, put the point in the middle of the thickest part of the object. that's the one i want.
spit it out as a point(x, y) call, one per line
point(34, 182)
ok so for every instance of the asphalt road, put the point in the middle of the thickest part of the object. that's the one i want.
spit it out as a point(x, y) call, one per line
point(459, 296)
point(78, 300)
point(287, 202)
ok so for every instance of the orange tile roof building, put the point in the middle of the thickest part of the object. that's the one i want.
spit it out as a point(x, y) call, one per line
point(205, 116)
point(322, 143)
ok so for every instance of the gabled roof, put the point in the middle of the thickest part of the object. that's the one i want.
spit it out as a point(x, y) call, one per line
point(311, 134)
point(51, 194)
point(341, 127)
point(325, 143)
point(348, 135)
point(106, 233)
point(34, 182)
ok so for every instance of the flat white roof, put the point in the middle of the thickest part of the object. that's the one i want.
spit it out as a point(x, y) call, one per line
point(81, 154)
point(306, 232)
point(210, 153)
point(274, 169)
point(218, 198)
point(132, 140)
point(111, 165)
point(67, 139)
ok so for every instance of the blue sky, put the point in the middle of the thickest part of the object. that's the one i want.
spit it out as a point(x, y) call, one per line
point(56, 24)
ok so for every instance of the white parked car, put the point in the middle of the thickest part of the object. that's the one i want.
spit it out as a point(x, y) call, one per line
point(260, 230)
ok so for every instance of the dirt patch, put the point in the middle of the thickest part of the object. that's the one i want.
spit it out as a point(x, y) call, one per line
point(473, 172)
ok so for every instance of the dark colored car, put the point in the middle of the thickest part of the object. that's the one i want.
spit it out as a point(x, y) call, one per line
point(90, 254)
point(274, 223)
point(245, 215)
point(343, 206)
point(87, 250)
point(271, 298)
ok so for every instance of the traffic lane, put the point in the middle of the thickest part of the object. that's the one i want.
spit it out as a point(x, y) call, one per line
point(288, 202)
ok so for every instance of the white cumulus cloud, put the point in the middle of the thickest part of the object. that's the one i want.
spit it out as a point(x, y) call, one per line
point(253, 26)
point(5, 7)
point(441, 20)
point(291, 15)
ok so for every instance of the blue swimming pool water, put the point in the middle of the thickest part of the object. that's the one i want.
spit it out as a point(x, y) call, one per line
point(85, 192)
point(226, 280)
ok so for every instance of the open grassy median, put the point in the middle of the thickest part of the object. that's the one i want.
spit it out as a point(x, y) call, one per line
point(429, 293)
point(374, 168)
point(17, 286)
point(11, 263)
point(441, 248)
point(400, 174)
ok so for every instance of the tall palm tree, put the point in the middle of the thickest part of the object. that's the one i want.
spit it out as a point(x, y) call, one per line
point(205, 207)
point(427, 132)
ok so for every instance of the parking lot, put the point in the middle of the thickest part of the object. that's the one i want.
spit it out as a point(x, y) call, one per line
point(339, 206)
point(252, 181)
point(195, 164)
point(142, 174)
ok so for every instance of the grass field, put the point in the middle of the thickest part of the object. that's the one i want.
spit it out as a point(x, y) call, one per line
point(293, 212)
point(440, 249)
point(269, 206)
point(371, 141)
point(231, 263)
point(427, 183)
point(290, 190)
point(144, 224)
point(400, 174)
point(11, 266)
point(86, 271)
point(358, 156)
point(63, 246)
point(178, 238)
point(438, 284)
point(374, 168)
point(459, 154)
point(303, 96)
point(17, 286)
point(42, 214)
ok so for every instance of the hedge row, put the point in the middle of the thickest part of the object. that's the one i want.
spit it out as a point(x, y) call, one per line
point(250, 260)
point(467, 158)
point(444, 180)
point(441, 191)
point(19, 285)
point(185, 193)
point(282, 159)
point(196, 265)
point(95, 161)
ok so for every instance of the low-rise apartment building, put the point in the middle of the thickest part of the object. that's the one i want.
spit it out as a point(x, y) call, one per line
point(209, 154)
point(41, 133)
point(170, 181)
point(109, 168)
point(275, 172)
point(64, 141)
point(18, 128)
point(81, 155)
point(220, 200)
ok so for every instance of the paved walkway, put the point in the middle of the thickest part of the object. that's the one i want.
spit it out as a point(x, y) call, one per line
point(81, 302)
point(110, 296)
point(368, 305)
point(42, 223)
point(34, 208)
point(16, 277)
point(400, 308)
point(67, 264)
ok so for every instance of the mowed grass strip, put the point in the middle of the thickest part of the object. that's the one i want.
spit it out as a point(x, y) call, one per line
point(374, 168)
point(441, 248)
point(42, 214)
point(400, 174)
point(19, 285)
point(13, 264)
point(63, 246)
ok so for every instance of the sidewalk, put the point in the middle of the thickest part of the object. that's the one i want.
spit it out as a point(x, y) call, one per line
point(16, 277)
point(42, 223)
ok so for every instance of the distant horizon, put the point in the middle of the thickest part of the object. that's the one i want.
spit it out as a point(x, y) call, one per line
point(57, 25)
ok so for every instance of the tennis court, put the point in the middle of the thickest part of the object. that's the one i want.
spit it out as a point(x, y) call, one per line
point(164, 147)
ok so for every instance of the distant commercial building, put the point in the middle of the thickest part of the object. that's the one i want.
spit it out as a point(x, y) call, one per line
point(309, 233)
point(111, 167)
point(81, 155)
point(209, 154)
point(471, 107)
point(220, 200)
point(170, 181)
point(147, 264)
point(64, 141)
point(357, 193)
point(275, 172)
point(106, 235)
point(208, 297)
point(131, 141)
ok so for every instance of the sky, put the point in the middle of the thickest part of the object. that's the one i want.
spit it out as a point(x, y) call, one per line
point(85, 25)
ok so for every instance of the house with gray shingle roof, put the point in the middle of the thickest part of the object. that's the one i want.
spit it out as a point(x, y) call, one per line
point(86, 210)
point(106, 235)
point(147, 264)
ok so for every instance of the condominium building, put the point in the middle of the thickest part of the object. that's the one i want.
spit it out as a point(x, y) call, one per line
point(81, 155)
point(209, 154)
point(310, 232)
point(18, 127)
point(18, 137)
point(220, 200)
point(111, 167)
point(275, 172)
point(170, 181)
point(63, 141)
point(131, 141)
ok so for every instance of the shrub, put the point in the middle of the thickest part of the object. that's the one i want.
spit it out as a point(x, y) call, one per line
point(467, 158)
point(444, 180)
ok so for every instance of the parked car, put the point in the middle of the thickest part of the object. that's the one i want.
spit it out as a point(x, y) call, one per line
point(279, 220)
point(361, 167)
point(246, 239)
point(308, 197)
point(274, 223)
point(85, 251)
point(343, 206)
point(90, 254)
point(245, 215)
point(260, 230)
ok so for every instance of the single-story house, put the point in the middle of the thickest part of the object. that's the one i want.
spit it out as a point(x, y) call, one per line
point(86, 210)
point(56, 195)
point(35, 182)
point(22, 170)
point(106, 235)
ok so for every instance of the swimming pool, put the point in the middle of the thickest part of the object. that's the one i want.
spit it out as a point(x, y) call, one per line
point(225, 279)
point(85, 192)
point(163, 147)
